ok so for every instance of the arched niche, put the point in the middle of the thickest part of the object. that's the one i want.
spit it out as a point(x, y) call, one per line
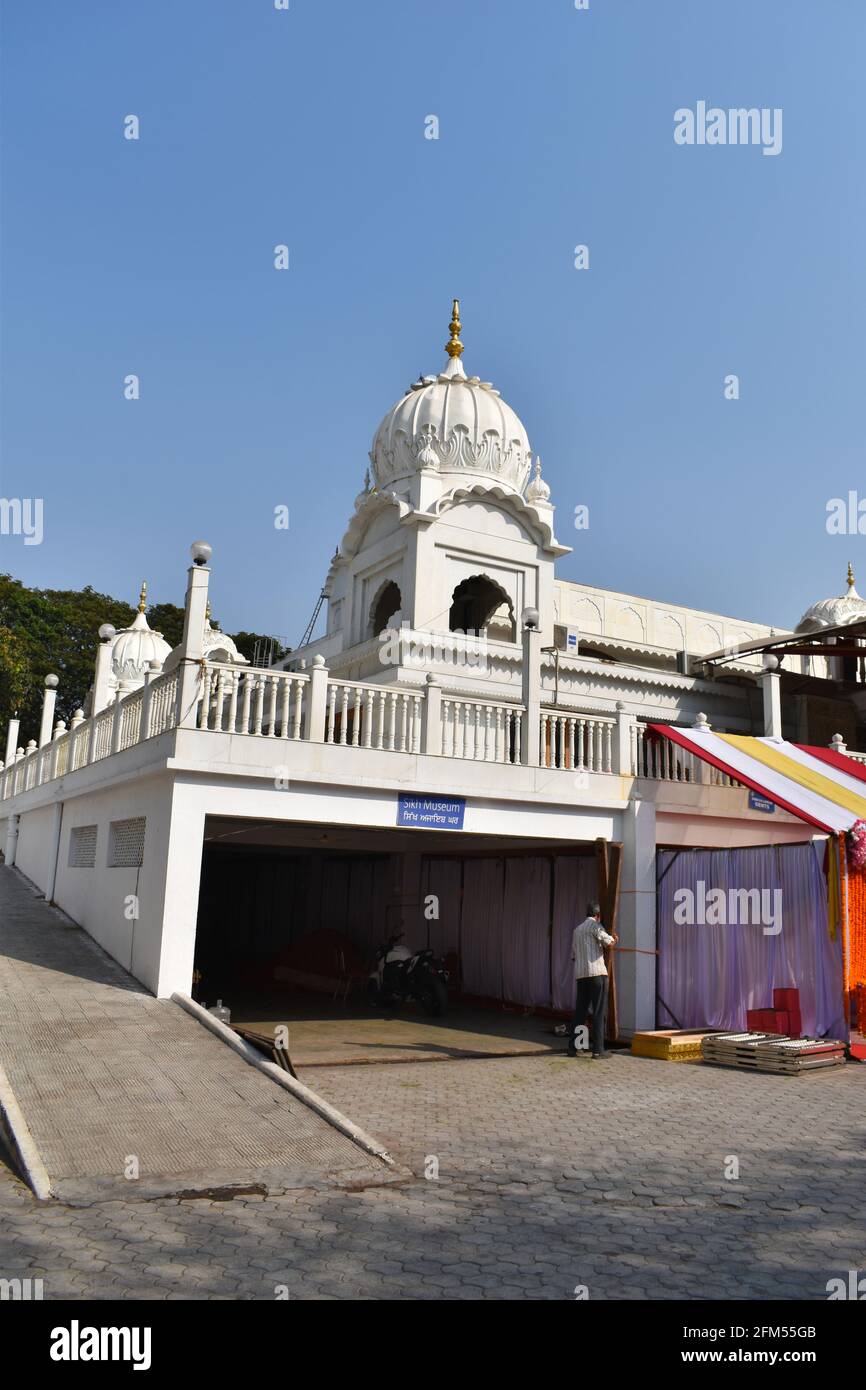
point(387, 602)
point(478, 604)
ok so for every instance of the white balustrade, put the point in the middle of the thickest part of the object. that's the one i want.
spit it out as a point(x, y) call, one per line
point(481, 730)
point(576, 741)
point(238, 700)
point(373, 716)
point(130, 719)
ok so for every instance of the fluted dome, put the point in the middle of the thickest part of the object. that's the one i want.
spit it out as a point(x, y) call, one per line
point(136, 646)
point(218, 646)
point(834, 612)
point(455, 424)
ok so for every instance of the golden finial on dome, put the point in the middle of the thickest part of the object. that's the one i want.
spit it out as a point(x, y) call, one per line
point(454, 347)
point(850, 575)
point(142, 597)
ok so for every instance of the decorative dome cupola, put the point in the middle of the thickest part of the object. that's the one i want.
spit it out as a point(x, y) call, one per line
point(134, 648)
point(834, 612)
point(218, 646)
point(455, 425)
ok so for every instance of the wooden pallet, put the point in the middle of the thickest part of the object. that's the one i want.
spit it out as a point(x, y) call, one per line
point(771, 1052)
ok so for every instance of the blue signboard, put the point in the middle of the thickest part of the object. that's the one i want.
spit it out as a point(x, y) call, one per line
point(760, 803)
point(431, 812)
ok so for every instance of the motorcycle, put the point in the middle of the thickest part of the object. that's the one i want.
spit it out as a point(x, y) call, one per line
point(403, 974)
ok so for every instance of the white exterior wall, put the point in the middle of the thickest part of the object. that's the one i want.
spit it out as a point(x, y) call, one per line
point(34, 845)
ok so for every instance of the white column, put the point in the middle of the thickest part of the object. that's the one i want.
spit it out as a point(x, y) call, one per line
point(191, 648)
point(431, 741)
point(636, 962)
point(172, 958)
point(102, 670)
point(625, 726)
point(531, 741)
point(49, 700)
point(772, 689)
point(53, 850)
point(317, 694)
point(11, 741)
point(11, 845)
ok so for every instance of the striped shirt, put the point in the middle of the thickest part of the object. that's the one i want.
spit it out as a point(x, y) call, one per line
point(586, 949)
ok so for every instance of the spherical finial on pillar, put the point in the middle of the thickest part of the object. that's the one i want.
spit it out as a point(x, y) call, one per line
point(200, 552)
point(107, 633)
point(454, 347)
point(51, 682)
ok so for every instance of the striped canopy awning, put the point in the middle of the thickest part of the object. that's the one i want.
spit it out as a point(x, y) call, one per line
point(820, 785)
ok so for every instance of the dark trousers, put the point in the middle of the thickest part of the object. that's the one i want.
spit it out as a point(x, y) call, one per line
point(591, 998)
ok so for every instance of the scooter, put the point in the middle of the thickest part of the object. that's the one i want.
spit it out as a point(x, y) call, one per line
point(403, 974)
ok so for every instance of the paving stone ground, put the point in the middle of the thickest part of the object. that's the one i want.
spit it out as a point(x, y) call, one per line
point(105, 1073)
point(551, 1174)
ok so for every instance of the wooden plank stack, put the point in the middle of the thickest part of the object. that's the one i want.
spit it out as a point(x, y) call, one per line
point(771, 1052)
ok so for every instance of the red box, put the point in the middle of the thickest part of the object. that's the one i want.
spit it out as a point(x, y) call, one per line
point(767, 1020)
point(795, 1023)
point(787, 999)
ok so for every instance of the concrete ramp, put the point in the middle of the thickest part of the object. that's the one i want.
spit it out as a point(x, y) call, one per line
point(114, 1094)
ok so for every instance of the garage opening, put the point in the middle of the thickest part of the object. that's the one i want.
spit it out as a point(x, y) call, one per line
point(290, 918)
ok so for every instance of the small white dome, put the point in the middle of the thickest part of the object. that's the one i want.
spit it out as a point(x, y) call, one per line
point(538, 491)
point(455, 424)
point(834, 612)
point(218, 646)
point(135, 647)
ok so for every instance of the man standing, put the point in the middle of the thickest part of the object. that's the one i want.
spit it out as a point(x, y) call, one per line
point(590, 973)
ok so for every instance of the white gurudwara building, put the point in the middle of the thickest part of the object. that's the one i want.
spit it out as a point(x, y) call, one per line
point(469, 729)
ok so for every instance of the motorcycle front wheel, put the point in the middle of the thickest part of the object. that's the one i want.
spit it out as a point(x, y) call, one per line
point(433, 996)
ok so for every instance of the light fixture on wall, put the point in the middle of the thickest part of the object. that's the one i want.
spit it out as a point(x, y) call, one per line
point(530, 618)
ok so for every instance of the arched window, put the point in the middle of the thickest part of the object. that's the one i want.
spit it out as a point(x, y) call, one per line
point(387, 602)
point(480, 605)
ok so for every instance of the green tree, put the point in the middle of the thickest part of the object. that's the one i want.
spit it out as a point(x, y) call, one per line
point(43, 630)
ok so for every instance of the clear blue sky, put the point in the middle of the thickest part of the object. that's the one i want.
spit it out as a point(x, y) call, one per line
point(306, 127)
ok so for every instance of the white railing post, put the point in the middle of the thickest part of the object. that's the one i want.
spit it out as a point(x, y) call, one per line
point(317, 695)
point(191, 646)
point(117, 721)
point(153, 669)
point(431, 717)
point(11, 740)
point(838, 744)
point(49, 700)
point(531, 673)
point(625, 735)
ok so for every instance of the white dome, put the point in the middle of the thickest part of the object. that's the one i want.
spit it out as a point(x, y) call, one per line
point(218, 646)
point(454, 424)
point(834, 612)
point(134, 648)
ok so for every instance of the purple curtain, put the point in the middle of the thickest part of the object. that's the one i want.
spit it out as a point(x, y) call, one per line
point(710, 974)
point(526, 931)
point(575, 884)
point(443, 878)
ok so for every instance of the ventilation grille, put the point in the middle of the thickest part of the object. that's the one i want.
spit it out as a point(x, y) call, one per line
point(82, 847)
point(126, 843)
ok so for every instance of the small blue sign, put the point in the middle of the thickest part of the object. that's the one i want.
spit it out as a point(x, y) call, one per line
point(760, 803)
point(430, 812)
